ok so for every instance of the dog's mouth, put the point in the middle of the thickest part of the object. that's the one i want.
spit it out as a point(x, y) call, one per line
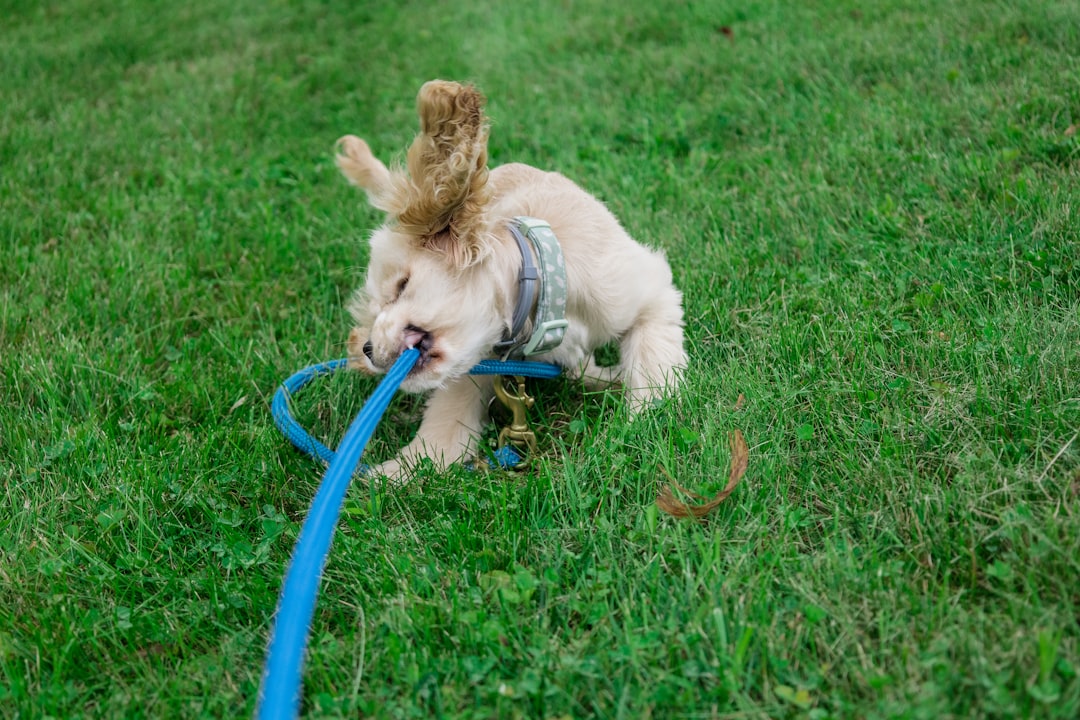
point(418, 338)
point(413, 337)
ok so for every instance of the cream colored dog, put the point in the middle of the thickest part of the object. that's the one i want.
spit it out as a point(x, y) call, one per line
point(444, 277)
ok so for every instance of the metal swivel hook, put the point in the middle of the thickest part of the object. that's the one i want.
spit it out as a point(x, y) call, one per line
point(518, 402)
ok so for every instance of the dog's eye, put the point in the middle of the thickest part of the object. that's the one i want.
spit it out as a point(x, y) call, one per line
point(402, 284)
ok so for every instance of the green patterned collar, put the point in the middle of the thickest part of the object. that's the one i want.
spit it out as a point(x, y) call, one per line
point(550, 323)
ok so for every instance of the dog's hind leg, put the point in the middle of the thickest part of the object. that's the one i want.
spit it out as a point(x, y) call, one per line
point(595, 377)
point(652, 357)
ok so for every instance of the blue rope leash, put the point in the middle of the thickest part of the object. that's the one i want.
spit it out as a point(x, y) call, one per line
point(522, 368)
point(298, 436)
point(279, 695)
point(280, 692)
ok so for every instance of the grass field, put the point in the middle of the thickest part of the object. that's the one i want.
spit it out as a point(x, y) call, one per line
point(871, 207)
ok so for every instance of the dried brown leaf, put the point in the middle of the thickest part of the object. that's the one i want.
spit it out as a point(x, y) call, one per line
point(667, 502)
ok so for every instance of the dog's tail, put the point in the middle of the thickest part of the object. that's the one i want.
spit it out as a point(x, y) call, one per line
point(443, 196)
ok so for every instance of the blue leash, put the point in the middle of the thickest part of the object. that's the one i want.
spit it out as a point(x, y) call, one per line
point(279, 695)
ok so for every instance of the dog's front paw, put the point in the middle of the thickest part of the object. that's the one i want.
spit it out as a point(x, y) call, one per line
point(393, 472)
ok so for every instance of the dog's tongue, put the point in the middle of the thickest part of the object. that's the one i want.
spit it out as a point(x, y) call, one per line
point(413, 337)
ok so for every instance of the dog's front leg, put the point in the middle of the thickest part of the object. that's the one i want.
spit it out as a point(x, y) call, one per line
point(453, 420)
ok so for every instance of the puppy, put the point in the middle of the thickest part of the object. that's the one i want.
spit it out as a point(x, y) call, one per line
point(446, 276)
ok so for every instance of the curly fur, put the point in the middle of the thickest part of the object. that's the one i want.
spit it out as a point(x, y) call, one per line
point(440, 196)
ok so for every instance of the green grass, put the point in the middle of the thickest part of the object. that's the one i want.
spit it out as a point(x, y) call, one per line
point(872, 209)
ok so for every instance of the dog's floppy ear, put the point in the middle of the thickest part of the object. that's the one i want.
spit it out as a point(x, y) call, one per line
point(363, 169)
point(443, 197)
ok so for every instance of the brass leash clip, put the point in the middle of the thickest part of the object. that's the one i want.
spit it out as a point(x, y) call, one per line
point(518, 402)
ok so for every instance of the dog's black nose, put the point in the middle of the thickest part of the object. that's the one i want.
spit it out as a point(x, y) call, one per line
point(367, 350)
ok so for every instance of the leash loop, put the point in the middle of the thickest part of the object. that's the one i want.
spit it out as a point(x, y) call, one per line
point(295, 433)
